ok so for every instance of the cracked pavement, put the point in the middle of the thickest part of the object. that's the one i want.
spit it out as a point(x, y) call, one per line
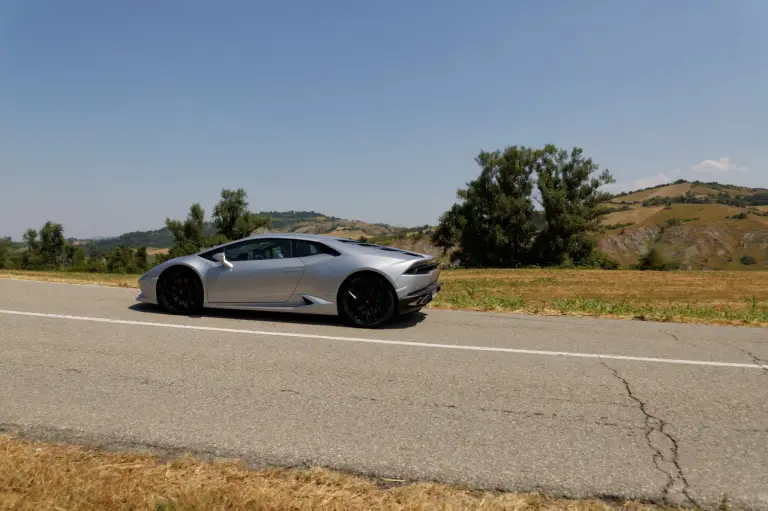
point(578, 427)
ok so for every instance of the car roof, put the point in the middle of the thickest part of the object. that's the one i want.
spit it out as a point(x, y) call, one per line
point(296, 236)
point(348, 243)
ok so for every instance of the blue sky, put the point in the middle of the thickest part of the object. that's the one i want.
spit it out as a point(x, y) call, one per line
point(114, 115)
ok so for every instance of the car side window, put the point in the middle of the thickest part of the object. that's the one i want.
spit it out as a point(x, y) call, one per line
point(303, 248)
point(257, 250)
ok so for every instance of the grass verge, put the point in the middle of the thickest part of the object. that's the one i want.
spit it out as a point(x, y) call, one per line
point(35, 475)
point(730, 298)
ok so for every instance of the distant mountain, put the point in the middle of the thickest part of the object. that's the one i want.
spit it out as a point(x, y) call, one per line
point(707, 226)
point(282, 221)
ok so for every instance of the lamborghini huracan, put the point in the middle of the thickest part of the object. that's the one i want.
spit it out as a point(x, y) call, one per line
point(365, 284)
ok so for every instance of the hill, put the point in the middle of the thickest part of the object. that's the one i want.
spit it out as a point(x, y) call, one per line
point(310, 222)
point(707, 226)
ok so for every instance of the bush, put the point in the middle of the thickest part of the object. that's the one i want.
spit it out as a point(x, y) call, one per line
point(653, 260)
point(600, 260)
point(747, 260)
point(611, 227)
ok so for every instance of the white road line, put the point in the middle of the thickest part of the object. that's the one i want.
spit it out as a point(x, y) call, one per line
point(78, 284)
point(385, 341)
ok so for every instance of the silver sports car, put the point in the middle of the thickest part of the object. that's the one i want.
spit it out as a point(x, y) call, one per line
point(365, 284)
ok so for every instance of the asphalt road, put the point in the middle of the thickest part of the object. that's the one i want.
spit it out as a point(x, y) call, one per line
point(575, 407)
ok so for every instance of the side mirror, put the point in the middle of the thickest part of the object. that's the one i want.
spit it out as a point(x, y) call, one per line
point(220, 257)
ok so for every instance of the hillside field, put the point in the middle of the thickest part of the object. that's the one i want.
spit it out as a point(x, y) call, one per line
point(705, 226)
point(699, 226)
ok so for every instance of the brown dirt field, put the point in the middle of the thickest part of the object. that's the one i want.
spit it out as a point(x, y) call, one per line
point(710, 288)
point(635, 215)
point(97, 279)
point(666, 191)
point(36, 476)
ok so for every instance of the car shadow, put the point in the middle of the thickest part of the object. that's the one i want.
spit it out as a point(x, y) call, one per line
point(400, 322)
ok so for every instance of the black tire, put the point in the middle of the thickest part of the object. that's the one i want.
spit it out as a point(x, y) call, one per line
point(366, 300)
point(180, 291)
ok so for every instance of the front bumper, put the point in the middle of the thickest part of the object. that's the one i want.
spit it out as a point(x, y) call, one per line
point(418, 299)
point(147, 291)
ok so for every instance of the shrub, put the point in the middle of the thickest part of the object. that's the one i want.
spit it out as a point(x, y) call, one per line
point(611, 227)
point(652, 260)
point(747, 260)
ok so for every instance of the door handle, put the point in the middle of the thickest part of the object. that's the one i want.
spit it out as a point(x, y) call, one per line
point(292, 270)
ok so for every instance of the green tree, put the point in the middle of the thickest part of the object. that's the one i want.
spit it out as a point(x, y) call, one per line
point(189, 234)
point(141, 259)
point(121, 260)
point(571, 196)
point(53, 245)
point(5, 252)
point(232, 218)
point(31, 257)
point(75, 256)
point(493, 225)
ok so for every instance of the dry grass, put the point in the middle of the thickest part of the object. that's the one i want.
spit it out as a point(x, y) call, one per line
point(739, 298)
point(640, 287)
point(723, 297)
point(36, 476)
point(666, 191)
point(97, 279)
point(635, 215)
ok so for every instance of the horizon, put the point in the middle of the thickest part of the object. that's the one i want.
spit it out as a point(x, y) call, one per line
point(395, 226)
point(118, 116)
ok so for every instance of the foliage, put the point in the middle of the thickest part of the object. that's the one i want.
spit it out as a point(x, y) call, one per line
point(6, 248)
point(739, 201)
point(496, 224)
point(493, 225)
point(188, 235)
point(231, 220)
point(611, 227)
point(231, 216)
point(748, 260)
point(653, 260)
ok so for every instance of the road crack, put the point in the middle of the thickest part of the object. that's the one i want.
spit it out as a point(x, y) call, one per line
point(759, 362)
point(675, 337)
point(665, 457)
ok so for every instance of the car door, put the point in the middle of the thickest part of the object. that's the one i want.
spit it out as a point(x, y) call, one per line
point(263, 271)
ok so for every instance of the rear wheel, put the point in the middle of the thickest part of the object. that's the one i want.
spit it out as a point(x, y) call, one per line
point(366, 300)
point(180, 291)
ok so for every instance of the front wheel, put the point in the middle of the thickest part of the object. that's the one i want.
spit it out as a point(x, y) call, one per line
point(367, 301)
point(180, 291)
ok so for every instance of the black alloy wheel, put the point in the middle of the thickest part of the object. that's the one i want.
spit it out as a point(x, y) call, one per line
point(367, 301)
point(180, 291)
